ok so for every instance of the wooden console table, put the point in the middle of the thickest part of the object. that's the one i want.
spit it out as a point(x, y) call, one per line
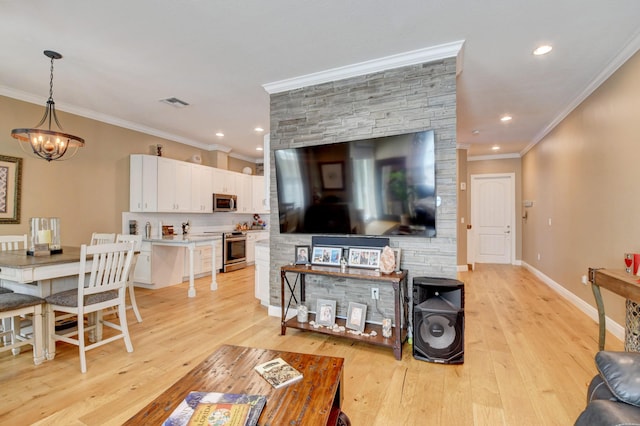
point(618, 282)
point(315, 400)
point(398, 280)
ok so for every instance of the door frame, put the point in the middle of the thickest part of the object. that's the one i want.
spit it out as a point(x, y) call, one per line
point(471, 240)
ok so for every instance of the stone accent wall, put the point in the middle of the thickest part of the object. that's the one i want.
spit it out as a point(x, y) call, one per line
point(401, 100)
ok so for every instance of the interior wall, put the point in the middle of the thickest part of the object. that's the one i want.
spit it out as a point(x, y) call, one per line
point(401, 100)
point(89, 192)
point(499, 165)
point(463, 209)
point(583, 180)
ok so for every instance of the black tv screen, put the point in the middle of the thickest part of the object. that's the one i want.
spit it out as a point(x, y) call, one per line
point(376, 186)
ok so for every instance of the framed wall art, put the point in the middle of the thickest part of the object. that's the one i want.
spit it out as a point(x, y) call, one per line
point(10, 188)
point(356, 316)
point(397, 253)
point(364, 257)
point(332, 175)
point(302, 255)
point(326, 255)
point(326, 312)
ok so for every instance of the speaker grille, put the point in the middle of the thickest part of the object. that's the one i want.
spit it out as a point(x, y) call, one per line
point(439, 331)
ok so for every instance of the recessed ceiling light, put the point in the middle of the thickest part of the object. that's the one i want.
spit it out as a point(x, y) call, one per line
point(259, 129)
point(495, 148)
point(542, 50)
point(220, 134)
point(506, 118)
point(258, 148)
point(475, 132)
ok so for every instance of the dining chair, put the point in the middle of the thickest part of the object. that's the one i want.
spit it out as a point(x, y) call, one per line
point(13, 306)
point(137, 242)
point(12, 242)
point(102, 285)
point(102, 238)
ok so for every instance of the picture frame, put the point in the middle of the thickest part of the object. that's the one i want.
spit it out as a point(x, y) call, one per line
point(326, 312)
point(302, 255)
point(10, 188)
point(326, 255)
point(356, 316)
point(332, 175)
point(364, 257)
point(397, 254)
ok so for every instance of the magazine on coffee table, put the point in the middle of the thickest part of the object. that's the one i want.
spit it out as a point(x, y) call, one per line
point(219, 409)
point(278, 373)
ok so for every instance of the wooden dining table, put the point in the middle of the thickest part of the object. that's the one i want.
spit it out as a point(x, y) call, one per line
point(40, 275)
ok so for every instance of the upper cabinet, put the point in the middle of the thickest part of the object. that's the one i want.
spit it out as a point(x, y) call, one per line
point(159, 184)
point(174, 185)
point(201, 188)
point(143, 183)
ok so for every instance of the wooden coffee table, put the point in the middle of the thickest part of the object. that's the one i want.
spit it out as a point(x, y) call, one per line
point(315, 400)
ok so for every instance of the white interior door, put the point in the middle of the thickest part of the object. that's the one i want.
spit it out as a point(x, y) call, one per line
point(492, 237)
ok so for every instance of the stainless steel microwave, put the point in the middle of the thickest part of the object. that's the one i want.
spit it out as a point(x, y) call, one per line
point(225, 203)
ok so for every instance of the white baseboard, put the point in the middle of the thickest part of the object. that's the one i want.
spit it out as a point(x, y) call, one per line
point(613, 327)
point(463, 268)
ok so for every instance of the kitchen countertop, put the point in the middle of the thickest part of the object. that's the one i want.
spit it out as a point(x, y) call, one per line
point(188, 238)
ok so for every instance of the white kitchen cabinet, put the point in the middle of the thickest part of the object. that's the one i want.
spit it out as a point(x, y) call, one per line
point(259, 197)
point(261, 275)
point(143, 183)
point(142, 273)
point(174, 185)
point(201, 189)
point(244, 192)
point(252, 238)
point(223, 181)
point(201, 261)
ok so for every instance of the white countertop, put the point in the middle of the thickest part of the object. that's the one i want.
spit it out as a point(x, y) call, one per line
point(184, 239)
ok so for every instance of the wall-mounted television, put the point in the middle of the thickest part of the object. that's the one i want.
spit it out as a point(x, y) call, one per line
point(375, 186)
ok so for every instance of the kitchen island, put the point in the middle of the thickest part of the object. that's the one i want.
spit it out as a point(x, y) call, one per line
point(190, 242)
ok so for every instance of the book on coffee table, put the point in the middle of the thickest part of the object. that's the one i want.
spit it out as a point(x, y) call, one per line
point(278, 373)
point(213, 408)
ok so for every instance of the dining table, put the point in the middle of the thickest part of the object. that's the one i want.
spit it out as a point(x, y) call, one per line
point(40, 275)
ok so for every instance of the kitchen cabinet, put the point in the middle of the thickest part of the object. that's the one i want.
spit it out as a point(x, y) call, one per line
point(223, 181)
point(142, 273)
point(261, 274)
point(143, 183)
point(174, 185)
point(201, 189)
point(252, 238)
point(244, 192)
point(259, 196)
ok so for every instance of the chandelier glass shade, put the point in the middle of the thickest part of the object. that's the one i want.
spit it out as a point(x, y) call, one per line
point(48, 143)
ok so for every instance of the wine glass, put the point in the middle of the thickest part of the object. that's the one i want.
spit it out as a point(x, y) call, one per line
point(628, 261)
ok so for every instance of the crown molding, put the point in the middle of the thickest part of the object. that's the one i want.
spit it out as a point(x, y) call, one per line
point(493, 157)
point(108, 119)
point(623, 55)
point(413, 57)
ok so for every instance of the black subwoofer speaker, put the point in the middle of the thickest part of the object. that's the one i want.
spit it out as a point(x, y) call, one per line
point(438, 320)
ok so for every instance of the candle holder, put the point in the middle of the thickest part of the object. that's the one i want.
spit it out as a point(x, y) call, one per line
point(44, 236)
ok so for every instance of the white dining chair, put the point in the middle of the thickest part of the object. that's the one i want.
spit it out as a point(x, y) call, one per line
point(102, 238)
point(104, 288)
point(13, 242)
point(137, 242)
point(10, 242)
point(13, 306)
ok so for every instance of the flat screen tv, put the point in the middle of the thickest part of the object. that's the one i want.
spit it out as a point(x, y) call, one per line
point(376, 186)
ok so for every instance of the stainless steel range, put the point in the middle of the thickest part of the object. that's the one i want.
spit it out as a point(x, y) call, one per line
point(234, 251)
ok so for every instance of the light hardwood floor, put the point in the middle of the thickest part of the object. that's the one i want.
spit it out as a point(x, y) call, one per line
point(528, 359)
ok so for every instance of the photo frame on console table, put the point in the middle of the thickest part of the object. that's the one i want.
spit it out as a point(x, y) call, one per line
point(326, 312)
point(10, 188)
point(397, 254)
point(326, 255)
point(356, 315)
point(364, 257)
point(302, 255)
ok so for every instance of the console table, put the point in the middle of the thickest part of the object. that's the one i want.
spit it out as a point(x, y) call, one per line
point(616, 281)
point(398, 280)
point(316, 400)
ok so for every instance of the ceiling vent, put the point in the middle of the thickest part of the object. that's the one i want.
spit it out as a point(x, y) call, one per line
point(175, 102)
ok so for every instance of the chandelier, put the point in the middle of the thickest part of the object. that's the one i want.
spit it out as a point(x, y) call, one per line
point(46, 143)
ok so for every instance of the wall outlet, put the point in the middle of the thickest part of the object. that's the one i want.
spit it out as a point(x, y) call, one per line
point(375, 293)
